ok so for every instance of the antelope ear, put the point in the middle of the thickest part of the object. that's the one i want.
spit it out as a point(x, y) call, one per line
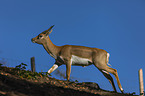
point(49, 32)
point(50, 28)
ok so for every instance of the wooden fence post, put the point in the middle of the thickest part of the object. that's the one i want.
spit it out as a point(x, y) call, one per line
point(33, 64)
point(141, 85)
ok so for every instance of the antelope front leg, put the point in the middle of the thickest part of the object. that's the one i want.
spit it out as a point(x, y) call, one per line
point(54, 67)
point(68, 70)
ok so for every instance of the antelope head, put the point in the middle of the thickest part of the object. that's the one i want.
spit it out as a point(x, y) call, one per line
point(41, 38)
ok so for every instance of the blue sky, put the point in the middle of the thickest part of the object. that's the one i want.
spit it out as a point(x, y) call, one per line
point(117, 26)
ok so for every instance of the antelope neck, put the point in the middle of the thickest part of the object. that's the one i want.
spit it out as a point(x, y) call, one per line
point(51, 48)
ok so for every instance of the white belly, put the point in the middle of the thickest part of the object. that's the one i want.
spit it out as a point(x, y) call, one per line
point(75, 60)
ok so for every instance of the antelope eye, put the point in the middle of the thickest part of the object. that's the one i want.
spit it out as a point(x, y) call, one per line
point(40, 36)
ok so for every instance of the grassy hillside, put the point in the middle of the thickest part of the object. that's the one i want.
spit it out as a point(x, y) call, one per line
point(19, 82)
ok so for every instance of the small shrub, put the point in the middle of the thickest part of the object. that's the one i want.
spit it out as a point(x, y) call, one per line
point(22, 66)
point(22, 73)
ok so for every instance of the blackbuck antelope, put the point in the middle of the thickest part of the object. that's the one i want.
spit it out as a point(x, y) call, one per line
point(77, 55)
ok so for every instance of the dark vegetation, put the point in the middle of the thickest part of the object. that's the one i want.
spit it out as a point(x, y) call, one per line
point(19, 82)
